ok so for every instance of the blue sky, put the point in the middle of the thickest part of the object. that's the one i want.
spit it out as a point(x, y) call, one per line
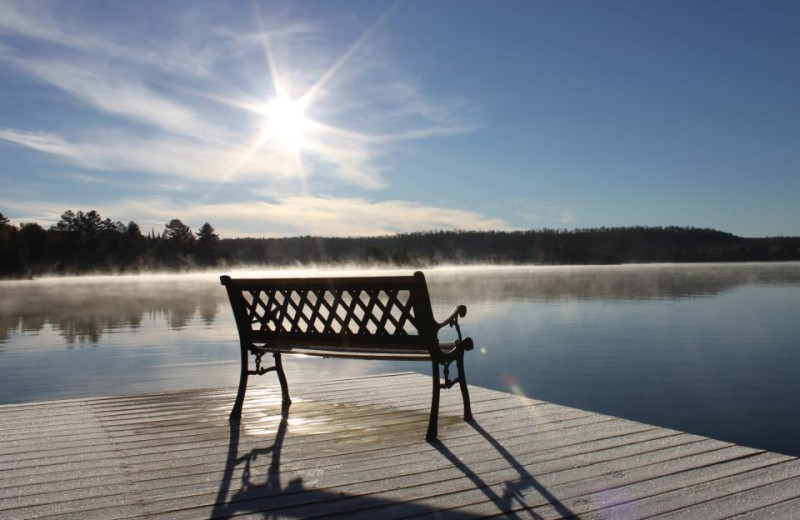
point(363, 118)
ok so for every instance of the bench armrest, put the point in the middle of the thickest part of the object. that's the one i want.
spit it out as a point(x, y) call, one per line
point(452, 321)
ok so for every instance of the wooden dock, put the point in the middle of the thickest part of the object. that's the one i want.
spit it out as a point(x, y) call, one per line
point(355, 448)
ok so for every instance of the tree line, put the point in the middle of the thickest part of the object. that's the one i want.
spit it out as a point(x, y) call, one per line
point(544, 247)
point(84, 242)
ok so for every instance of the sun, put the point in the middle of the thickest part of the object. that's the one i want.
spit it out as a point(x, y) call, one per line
point(286, 124)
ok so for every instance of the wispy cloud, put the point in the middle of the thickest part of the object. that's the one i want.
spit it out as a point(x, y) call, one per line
point(40, 141)
point(184, 160)
point(109, 91)
point(286, 216)
point(325, 216)
point(45, 22)
point(156, 102)
point(355, 216)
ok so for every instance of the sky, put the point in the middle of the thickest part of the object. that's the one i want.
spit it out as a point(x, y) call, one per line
point(347, 118)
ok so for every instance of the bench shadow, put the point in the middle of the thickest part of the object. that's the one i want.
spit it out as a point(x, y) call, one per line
point(512, 497)
point(242, 493)
point(245, 491)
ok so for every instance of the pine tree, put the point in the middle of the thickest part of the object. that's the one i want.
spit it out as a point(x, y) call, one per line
point(207, 245)
point(177, 231)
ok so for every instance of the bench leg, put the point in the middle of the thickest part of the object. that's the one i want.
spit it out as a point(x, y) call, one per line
point(434, 420)
point(236, 413)
point(282, 378)
point(462, 382)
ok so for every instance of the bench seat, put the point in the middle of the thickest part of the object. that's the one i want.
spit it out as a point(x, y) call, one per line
point(374, 353)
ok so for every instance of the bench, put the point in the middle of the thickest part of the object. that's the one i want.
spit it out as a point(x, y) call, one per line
point(385, 318)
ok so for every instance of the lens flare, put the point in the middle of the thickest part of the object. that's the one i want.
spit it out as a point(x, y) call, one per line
point(511, 382)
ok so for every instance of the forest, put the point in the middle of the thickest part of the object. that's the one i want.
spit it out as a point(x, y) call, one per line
point(84, 242)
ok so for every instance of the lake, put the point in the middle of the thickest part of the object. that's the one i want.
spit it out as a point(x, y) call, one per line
point(712, 349)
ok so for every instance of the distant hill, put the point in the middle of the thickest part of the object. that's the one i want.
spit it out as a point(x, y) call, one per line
point(547, 246)
point(84, 242)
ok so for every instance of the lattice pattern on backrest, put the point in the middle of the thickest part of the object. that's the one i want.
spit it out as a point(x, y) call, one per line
point(347, 312)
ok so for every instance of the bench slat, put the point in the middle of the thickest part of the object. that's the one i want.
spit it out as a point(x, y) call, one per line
point(377, 352)
point(364, 341)
point(344, 283)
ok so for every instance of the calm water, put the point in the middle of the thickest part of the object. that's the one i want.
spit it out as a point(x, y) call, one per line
point(710, 349)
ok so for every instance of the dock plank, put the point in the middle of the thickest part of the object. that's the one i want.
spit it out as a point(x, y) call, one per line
point(788, 510)
point(354, 448)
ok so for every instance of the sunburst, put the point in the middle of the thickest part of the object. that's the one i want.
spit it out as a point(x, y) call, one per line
point(287, 128)
point(286, 124)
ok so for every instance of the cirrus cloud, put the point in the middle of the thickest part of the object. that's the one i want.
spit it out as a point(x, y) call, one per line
point(153, 117)
point(284, 216)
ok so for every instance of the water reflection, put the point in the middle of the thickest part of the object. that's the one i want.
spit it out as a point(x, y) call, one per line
point(611, 283)
point(82, 310)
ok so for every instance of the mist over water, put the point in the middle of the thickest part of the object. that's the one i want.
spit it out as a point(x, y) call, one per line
point(711, 349)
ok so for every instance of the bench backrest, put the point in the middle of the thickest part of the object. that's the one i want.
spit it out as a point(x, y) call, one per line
point(355, 312)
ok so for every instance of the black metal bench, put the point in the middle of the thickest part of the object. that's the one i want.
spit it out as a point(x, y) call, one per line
point(387, 317)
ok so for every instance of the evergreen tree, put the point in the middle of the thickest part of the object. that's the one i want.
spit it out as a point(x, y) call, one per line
point(177, 231)
point(207, 245)
point(132, 245)
point(207, 233)
point(8, 247)
point(68, 222)
point(178, 244)
point(33, 245)
point(89, 224)
point(134, 230)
